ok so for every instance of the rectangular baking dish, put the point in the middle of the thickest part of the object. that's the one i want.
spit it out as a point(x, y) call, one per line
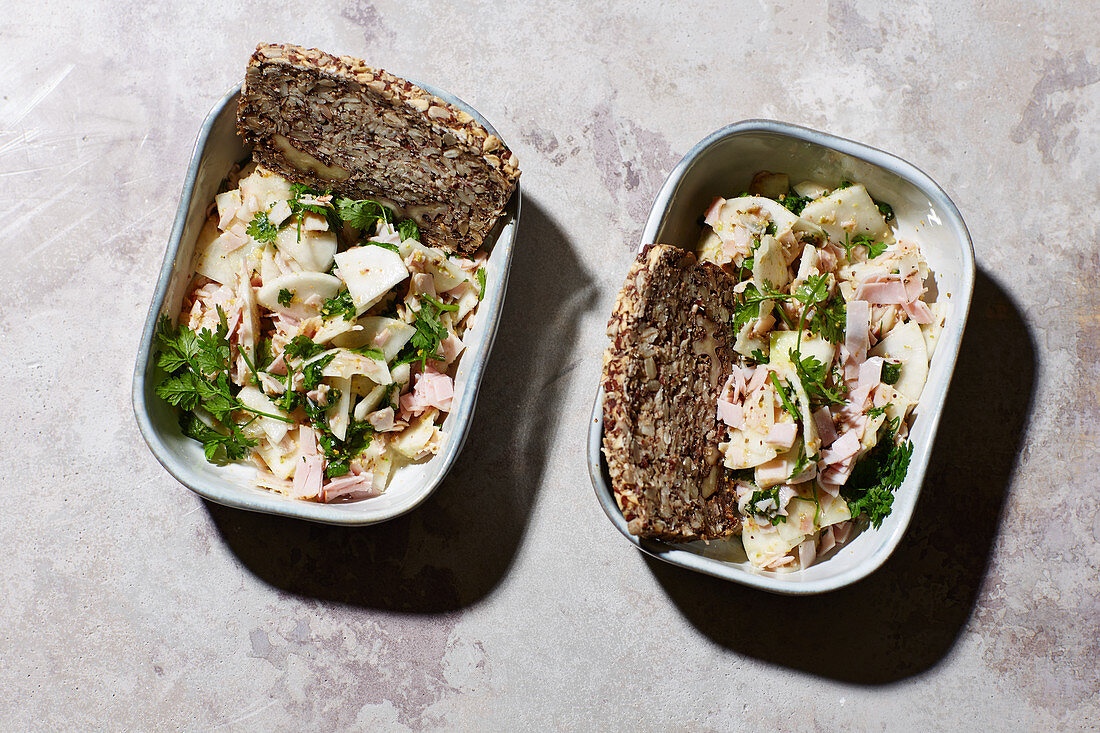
point(722, 165)
point(218, 147)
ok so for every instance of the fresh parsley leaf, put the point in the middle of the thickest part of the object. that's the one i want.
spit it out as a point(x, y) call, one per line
point(830, 319)
point(794, 203)
point(480, 275)
point(339, 305)
point(298, 206)
point(302, 347)
point(386, 245)
point(759, 357)
point(338, 453)
point(311, 372)
point(802, 462)
point(261, 229)
point(814, 377)
point(285, 296)
point(843, 184)
point(408, 229)
point(784, 395)
point(886, 210)
point(770, 513)
point(891, 372)
point(371, 352)
point(875, 411)
point(870, 489)
point(235, 443)
point(430, 332)
point(180, 391)
point(361, 214)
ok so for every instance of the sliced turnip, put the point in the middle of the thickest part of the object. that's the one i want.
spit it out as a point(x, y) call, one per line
point(369, 272)
point(387, 334)
point(274, 429)
point(905, 343)
point(314, 251)
point(847, 211)
point(303, 286)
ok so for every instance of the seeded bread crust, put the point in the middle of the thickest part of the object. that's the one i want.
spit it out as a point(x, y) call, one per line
point(668, 356)
point(334, 123)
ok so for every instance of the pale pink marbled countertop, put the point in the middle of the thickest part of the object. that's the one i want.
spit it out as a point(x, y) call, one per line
point(508, 601)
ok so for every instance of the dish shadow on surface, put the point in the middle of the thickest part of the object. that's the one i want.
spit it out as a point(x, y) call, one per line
point(904, 618)
point(454, 548)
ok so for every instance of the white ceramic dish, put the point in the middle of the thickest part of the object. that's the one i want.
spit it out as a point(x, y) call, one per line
point(216, 149)
point(723, 164)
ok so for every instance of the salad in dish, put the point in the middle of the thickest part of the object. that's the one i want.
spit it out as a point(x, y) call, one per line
point(318, 339)
point(834, 332)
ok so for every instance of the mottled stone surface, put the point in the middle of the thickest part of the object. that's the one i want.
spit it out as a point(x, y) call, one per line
point(508, 601)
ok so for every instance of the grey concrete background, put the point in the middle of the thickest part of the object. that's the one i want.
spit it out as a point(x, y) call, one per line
point(508, 602)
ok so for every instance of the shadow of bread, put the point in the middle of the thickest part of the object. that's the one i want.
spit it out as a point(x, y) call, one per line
point(455, 548)
point(904, 618)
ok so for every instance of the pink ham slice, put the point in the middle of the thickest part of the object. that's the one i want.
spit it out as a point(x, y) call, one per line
point(823, 421)
point(381, 420)
point(433, 389)
point(856, 339)
point(713, 211)
point(782, 435)
point(352, 486)
point(309, 474)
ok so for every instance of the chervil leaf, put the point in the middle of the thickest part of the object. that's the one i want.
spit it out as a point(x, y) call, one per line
point(361, 214)
point(285, 296)
point(179, 391)
point(814, 377)
point(891, 372)
point(768, 512)
point(311, 372)
point(339, 305)
point(261, 229)
point(480, 275)
point(870, 489)
point(302, 347)
point(794, 203)
point(408, 229)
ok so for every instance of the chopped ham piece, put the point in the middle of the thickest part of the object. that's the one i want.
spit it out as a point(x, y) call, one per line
point(759, 377)
point(451, 347)
point(807, 553)
point(381, 420)
point(423, 284)
point(309, 472)
point(715, 208)
point(351, 486)
point(782, 435)
point(918, 312)
point(823, 421)
point(433, 389)
point(731, 413)
point(856, 341)
point(846, 446)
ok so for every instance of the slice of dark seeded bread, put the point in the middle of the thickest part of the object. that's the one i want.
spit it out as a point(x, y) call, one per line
point(334, 123)
point(670, 353)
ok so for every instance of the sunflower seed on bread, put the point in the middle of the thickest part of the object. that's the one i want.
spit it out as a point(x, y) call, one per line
point(336, 124)
point(669, 352)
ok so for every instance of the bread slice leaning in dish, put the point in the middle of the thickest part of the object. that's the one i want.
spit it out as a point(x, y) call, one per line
point(336, 124)
point(670, 352)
